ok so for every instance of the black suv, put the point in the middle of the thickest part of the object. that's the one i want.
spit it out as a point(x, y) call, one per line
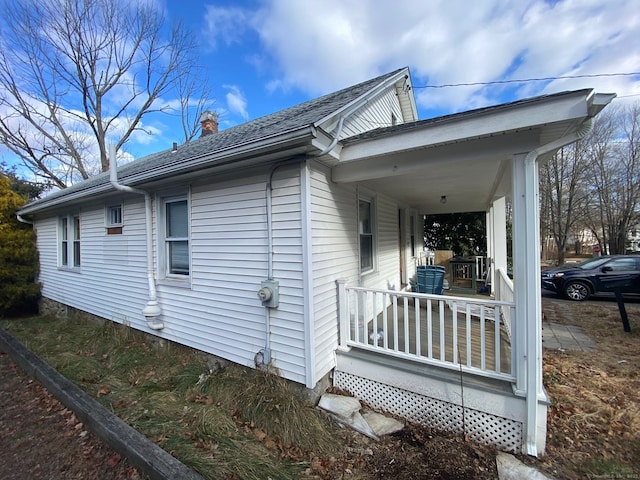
point(596, 275)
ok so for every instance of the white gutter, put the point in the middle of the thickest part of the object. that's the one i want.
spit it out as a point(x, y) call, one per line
point(23, 220)
point(223, 158)
point(533, 329)
point(152, 310)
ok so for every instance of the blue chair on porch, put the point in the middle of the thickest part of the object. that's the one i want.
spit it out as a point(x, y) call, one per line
point(430, 279)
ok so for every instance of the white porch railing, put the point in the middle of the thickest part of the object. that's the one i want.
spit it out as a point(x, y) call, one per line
point(458, 333)
point(504, 292)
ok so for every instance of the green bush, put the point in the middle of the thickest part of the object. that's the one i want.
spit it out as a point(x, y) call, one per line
point(19, 266)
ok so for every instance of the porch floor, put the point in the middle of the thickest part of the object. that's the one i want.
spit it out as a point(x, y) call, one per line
point(436, 334)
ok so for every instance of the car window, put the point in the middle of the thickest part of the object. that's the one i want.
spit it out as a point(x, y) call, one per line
point(622, 264)
point(592, 263)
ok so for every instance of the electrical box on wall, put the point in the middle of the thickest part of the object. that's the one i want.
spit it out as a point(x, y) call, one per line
point(269, 293)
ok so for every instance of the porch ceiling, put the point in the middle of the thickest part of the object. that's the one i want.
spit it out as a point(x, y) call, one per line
point(466, 157)
point(470, 174)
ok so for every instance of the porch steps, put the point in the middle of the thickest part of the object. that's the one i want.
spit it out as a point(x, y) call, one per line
point(485, 409)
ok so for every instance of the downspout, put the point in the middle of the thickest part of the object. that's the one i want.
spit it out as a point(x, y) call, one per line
point(533, 329)
point(152, 310)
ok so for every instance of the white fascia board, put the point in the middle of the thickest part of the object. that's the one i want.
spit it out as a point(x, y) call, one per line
point(329, 122)
point(492, 122)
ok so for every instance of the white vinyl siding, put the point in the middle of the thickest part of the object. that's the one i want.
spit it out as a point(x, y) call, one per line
point(375, 114)
point(220, 312)
point(230, 248)
point(113, 282)
point(334, 225)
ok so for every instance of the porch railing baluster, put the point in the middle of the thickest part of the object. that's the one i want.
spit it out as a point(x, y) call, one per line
point(406, 325)
point(496, 314)
point(454, 333)
point(468, 334)
point(483, 340)
point(416, 306)
point(442, 336)
point(385, 333)
point(429, 329)
point(357, 295)
point(395, 322)
point(378, 321)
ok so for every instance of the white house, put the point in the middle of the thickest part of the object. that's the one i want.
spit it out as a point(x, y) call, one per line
point(291, 239)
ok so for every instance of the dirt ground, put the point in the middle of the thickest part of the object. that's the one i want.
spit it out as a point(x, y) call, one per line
point(41, 439)
point(593, 423)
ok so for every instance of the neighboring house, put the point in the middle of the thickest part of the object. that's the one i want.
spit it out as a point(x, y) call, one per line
point(633, 239)
point(291, 240)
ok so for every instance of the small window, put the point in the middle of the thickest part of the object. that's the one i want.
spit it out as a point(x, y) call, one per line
point(69, 241)
point(176, 236)
point(113, 216)
point(366, 233)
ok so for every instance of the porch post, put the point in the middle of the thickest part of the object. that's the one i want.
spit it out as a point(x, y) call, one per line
point(528, 314)
point(497, 219)
point(343, 314)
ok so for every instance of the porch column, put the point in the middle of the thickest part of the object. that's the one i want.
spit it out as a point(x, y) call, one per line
point(497, 237)
point(528, 315)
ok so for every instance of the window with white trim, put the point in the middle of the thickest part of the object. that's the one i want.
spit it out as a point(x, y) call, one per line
point(114, 215)
point(176, 257)
point(69, 241)
point(366, 231)
point(113, 219)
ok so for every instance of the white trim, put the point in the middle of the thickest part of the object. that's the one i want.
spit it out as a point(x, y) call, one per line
point(107, 215)
point(162, 247)
point(307, 269)
point(371, 199)
point(70, 241)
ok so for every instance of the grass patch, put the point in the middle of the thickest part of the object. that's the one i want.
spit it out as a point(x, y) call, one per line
point(594, 418)
point(235, 423)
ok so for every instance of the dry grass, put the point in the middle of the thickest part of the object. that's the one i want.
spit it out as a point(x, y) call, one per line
point(240, 423)
point(594, 419)
point(234, 423)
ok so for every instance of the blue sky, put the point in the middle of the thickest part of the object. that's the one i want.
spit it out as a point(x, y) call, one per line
point(265, 55)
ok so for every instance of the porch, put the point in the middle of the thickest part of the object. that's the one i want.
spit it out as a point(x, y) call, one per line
point(441, 360)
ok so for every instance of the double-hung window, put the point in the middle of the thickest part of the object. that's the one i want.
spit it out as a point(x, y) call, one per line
point(176, 236)
point(69, 241)
point(366, 230)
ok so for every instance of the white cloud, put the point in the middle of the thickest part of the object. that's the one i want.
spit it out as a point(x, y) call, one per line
point(236, 101)
point(451, 41)
point(226, 25)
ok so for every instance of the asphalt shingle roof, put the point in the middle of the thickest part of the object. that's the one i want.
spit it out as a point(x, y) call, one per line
point(273, 125)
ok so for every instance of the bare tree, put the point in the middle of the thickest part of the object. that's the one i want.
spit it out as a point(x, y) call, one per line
point(615, 176)
point(78, 74)
point(563, 194)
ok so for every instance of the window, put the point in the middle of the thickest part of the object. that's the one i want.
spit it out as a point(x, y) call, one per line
point(622, 264)
point(176, 236)
point(366, 232)
point(113, 219)
point(69, 235)
point(412, 234)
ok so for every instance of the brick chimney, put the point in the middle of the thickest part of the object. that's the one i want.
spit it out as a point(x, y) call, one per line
point(209, 123)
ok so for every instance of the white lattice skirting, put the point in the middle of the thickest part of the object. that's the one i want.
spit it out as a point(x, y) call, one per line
point(503, 433)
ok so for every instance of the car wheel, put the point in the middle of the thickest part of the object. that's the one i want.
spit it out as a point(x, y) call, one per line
point(577, 291)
